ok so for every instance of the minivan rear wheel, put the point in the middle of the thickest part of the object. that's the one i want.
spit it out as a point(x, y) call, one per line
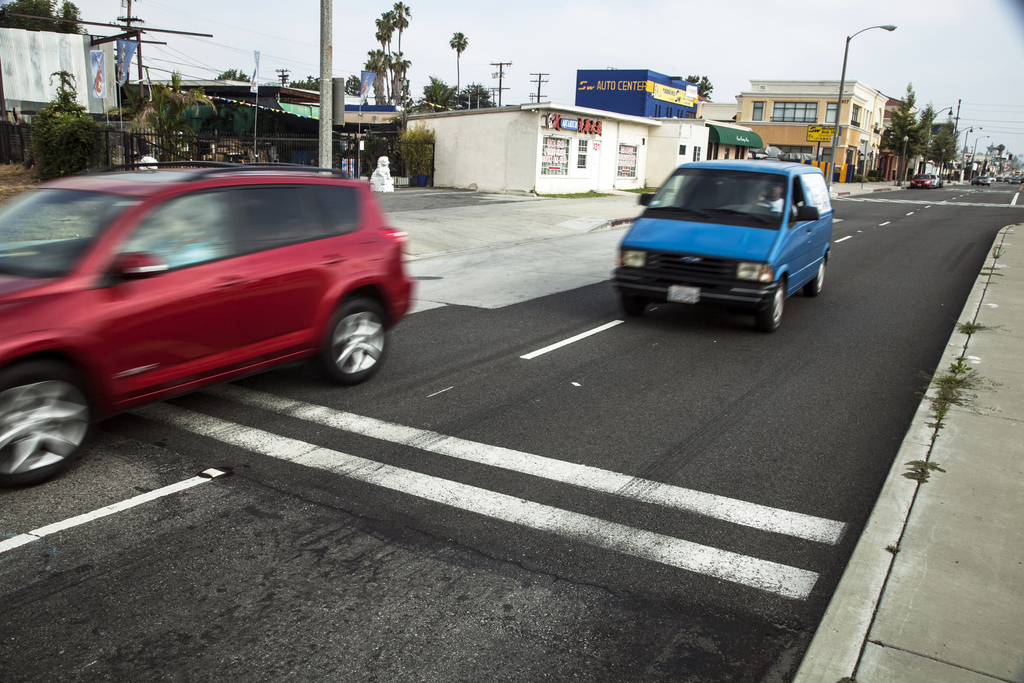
point(769, 318)
point(354, 348)
point(44, 418)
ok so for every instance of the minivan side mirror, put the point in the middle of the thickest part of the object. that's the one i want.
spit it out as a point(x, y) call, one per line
point(137, 265)
point(807, 213)
point(645, 199)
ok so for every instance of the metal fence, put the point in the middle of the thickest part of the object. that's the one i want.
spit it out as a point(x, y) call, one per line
point(113, 147)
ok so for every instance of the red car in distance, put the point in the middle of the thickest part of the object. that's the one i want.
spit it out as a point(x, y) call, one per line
point(923, 180)
point(118, 289)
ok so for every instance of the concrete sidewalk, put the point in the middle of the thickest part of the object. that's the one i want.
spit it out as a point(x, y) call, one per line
point(948, 604)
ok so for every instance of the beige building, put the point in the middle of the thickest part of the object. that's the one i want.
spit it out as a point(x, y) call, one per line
point(799, 117)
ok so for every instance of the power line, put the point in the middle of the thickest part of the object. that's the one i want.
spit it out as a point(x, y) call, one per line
point(538, 82)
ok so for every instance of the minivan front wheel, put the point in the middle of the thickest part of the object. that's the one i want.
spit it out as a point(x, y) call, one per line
point(632, 305)
point(354, 348)
point(769, 317)
point(44, 418)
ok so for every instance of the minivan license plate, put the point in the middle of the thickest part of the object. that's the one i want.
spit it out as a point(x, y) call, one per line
point(683, 295)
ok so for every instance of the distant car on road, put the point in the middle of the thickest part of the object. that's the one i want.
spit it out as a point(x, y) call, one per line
point(981, 180)
point(119, 289)
point(937, 181)
point(922, 180)
point(736, 234)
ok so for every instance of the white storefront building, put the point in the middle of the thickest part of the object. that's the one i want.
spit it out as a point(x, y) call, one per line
point(544, 148)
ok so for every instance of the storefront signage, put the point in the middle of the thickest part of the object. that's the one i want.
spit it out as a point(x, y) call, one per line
point(670, 95)
point(585, 126)
point(820, 133)
point(626, 162)
point(554, 158)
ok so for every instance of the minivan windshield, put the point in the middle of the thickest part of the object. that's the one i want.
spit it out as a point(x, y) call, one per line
point(722, 196)
point(43, 232)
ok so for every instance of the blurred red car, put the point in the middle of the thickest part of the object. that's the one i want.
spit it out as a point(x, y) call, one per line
point(923, 180)
point(118, 289)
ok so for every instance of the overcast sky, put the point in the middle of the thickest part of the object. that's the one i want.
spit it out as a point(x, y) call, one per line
point(950, 50)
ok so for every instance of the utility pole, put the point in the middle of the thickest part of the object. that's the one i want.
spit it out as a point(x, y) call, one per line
point(128, 20)
point(326, 157)
point(538, 82)
point(500, 74)
point(283, 76)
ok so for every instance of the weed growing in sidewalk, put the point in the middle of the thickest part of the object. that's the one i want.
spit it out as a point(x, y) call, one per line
point(952, 389)
point(893, 548)
point(920, 470)
point(971, 327)
point(998, 252)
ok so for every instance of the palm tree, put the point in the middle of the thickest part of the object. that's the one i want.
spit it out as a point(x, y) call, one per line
point(377, 63)
point(385, 30)
point(401, 14)
point(459, 44)
point(438, 96)
point(399, 66)
point(164, 114)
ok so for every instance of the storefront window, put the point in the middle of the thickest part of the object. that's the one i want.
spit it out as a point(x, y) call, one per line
point(581, 152)
point(554, 159)
point(626, 164)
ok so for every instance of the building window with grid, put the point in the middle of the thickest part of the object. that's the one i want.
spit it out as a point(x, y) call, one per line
point(626, 163)
point(801, 112)
point(830, 113)
point(696, 153)
point(682, 150)
point(855, 120)
point(554, 157)
point(581, 152)
point(758, 113)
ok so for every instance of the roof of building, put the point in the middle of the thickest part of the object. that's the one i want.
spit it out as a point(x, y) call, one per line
point(545, 106)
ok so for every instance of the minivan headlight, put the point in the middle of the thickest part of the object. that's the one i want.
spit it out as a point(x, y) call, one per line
point(634, 259)
point(757, 272)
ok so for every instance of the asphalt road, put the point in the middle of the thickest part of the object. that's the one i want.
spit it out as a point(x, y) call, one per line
point(619, 508)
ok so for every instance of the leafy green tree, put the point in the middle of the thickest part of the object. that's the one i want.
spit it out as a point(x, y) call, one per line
point(704, 87)
point(62, 133)
point(942, 146)
point(232, 75)
point(475, 95)
point(459, 43)
point(351, 85)
point(165, 115)
point(903, 122)
point(311, 83)
point(43, 8)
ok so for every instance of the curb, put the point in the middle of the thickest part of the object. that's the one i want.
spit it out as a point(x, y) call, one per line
point(835, 649)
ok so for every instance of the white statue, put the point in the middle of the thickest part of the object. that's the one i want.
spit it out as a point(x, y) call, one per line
point(381, 180)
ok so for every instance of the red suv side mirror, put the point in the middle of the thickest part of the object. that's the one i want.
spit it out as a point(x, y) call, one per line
point(136, 265)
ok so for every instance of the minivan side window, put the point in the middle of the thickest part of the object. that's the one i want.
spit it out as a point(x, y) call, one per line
point(186, 231)
point(271, 216)
point(798, 199)
point(339, 208)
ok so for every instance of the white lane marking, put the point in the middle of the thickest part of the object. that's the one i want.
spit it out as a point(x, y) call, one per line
point(1013, 202)
point(911, 213)
point(848, 237)
point(790, 582)
point(838, 220)
point(570, 340)
point(37, 534)
point(928, 207)
point(885, 223)
point(604, 481)
point(439, 392)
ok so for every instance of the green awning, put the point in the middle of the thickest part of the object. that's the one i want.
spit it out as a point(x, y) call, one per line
point(734, 136)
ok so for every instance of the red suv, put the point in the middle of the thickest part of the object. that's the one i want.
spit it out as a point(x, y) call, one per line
point(118, 289)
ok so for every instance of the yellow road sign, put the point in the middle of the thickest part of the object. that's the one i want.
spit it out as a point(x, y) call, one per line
point(820, 133)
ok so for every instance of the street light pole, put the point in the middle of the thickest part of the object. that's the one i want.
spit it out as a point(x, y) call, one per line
point(975, 150)
point(903, 161)
point(839, 101)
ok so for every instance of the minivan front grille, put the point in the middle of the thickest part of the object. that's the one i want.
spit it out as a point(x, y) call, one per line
point(681, 266)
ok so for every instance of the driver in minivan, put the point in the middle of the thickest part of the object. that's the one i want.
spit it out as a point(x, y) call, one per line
point(772, 197)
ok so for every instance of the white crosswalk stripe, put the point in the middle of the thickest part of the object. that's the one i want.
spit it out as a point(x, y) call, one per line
point(780, 579)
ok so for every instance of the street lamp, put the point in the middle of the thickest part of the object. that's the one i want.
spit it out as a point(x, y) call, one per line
point(903, 161)
point(942, 153)
point(839, 102)
point(973, 151)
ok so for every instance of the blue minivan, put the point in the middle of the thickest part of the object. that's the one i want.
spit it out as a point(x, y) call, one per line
point(738, 234)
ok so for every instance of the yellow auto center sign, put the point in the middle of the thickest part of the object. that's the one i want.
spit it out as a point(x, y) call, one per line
point(671, 95)
point(820, 133)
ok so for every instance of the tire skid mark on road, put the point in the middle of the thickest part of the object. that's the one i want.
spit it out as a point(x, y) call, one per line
point(772, 577)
